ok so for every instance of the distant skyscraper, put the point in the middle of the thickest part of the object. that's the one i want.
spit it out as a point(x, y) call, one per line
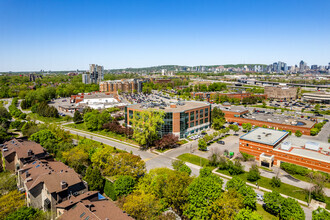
point(302, 66)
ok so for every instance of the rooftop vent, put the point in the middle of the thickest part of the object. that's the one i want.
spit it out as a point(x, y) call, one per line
point(28, 179)
point(63, 184)
point(30, 152)
point(268, 134)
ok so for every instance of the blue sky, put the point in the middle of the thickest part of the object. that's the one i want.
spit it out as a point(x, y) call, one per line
point(71, 34)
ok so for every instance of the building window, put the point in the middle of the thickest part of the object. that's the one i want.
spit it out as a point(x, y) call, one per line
point(191, 124)
point(206, 120)
point(196, 122)
point(192, 116)
point(201, 121)
point(206, 112)
point(247, 144)
point(201, 113)
point(196, 114)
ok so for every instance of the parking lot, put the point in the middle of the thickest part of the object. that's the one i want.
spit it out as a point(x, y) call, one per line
point(58, 102)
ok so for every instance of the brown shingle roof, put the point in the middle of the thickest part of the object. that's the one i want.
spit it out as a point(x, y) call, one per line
point(73, 200)
point(22, 148)
point(51, 173)
point(101, 209)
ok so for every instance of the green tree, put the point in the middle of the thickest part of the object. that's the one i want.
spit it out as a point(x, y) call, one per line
point(202, 145)
point(109, 190)
point(203, 191)
point(247, 192)
point(298, 133)
point(124, 185)
point(320, 214)
point(26, 213)
point(273, 202)
point(77, 117)
point(235, 128)
point(94, 179)
point(141, 205)
point(146, 125)
point(76, 158)
point(227, 206)
point(10, 203)
point(247, 214)
point(290, 209)
point(7, 182)
point(205, 172)
point(314, 131)
point(253, 174)
point(247, 126)
point(113, 164)
point(218, 123)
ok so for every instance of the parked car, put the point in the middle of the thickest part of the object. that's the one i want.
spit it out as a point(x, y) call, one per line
point(221, 142)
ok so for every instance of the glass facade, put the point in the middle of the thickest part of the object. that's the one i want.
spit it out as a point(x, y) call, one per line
point(206, 112)
point(192, 116)
point(167, 127)
point(130, 116)
point(184, 119)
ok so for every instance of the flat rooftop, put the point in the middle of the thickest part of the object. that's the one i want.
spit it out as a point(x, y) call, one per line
point(97, 96)
point(265, 136)
point(180, 106)
point(232, 108)
point(298, 148)
point(280, 118)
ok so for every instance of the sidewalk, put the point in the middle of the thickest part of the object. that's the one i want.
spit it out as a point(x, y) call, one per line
point(259, 188)
point(285, 178)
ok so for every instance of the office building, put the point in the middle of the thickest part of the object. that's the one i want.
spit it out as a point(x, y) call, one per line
point(321, 97)
point(302, 66)
point(271, 147)
point(181, 119)
point(280, 92)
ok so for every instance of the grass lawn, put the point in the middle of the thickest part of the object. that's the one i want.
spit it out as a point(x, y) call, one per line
point(82, 127)
point(45, 119)
point(285, 189)
point(306, 179)
point(199, 161)
point(265, 215)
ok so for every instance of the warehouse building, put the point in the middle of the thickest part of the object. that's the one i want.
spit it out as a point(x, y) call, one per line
point(281, 92)
point(181, 118)
point(272, 147)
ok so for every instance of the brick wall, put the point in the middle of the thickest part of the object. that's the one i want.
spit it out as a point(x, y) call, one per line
point(256, 149)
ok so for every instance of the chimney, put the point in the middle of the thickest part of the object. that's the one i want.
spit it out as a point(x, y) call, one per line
point(172, 106)
point(30, 152)
point(63, 184)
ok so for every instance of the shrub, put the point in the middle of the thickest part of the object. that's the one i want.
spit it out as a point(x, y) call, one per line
point(124, 185)
point(109, 190)
point(185, 169)
point(253, 174)
point(167, 141)
point(314, 131)
point(247, 157)
point(222, 164)
point(298, 133)
point(275, 182)
point(235, 168)
point(294, 169)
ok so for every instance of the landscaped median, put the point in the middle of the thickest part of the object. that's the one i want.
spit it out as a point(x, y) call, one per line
point(285, 189)
point(111, 136)
point(99, 134)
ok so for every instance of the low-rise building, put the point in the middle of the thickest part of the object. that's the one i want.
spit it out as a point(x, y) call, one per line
point(321, 97)
point(16, 153)
point(123, 85)
point(90, 205)
point(181, 119)
point(240, 115)
point(48, 183)
point(281, 92)
point(239, 96)
point(272, 147)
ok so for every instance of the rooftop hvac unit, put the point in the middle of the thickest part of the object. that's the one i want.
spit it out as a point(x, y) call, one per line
point(310, 145)
point(286, 145)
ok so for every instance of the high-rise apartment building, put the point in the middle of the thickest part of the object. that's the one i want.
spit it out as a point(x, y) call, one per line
point(95, 75)
point(302, 66)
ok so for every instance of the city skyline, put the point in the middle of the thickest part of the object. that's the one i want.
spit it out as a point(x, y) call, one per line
point(69, 35)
